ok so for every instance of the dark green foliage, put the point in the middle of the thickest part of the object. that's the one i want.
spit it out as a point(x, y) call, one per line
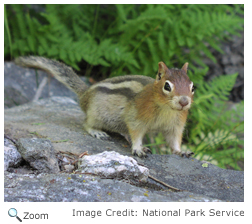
point(121, 37)
point(131, 39)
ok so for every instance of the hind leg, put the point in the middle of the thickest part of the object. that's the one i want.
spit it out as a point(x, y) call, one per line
point(94, 130)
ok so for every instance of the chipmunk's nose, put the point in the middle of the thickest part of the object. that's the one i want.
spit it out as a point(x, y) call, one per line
point(183, 101)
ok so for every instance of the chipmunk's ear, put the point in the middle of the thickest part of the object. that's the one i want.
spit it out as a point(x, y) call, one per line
point(162, 70)
point(185, 66)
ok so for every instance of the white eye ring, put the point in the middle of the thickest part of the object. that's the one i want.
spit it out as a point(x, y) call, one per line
point(171, 87)
point(191, 86)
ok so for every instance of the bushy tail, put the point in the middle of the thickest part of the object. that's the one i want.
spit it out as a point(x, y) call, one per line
point(60, 71)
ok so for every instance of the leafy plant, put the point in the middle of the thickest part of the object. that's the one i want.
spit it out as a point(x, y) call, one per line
point(125, 36)
point(111, 40)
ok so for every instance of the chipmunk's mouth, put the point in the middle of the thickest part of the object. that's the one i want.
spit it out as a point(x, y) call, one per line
point(180, 109)
point(176, 109)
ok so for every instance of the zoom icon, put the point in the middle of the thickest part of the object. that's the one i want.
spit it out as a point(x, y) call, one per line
point(13, 213)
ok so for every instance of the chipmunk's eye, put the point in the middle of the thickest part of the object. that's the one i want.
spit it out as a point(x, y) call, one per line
point(193, 88)
point(167, 87)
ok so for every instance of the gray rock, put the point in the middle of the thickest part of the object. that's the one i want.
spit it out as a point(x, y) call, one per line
point(229, 62)
point(113, 165)
point(21, 85)
point(232, 59)
point(85, 188)
point(39, 153)
point(189, 175)
point(12, 158)
point(60, 119)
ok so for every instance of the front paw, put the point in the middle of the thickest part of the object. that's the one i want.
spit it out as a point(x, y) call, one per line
point(187, 154)
point(184, 154)
point(141, 152)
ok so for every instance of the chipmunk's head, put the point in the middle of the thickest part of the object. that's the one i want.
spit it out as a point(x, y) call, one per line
point(174, 87)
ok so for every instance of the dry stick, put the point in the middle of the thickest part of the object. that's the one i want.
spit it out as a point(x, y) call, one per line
point(40, 89)
point(69, 153)
point(161, 182)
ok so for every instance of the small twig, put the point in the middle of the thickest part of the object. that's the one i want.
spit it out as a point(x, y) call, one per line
point(69, 157)
point(161, 182)
point(141, 164)
point(74, 162)
point(40, 89)
point(83, 154)
point(11, 139)
point(69, 153)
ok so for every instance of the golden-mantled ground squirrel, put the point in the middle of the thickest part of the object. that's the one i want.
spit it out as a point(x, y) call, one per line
point(131, 105)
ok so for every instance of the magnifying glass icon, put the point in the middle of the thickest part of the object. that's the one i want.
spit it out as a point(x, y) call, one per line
point(13, 213)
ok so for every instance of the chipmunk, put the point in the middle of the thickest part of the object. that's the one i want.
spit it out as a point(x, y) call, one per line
point(131, 105)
